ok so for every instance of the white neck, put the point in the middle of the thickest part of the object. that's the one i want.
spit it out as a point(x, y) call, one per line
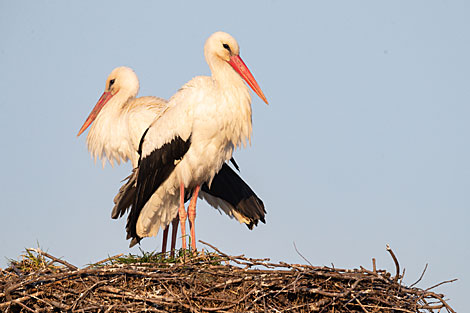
point(237, 99)
point(108, 135)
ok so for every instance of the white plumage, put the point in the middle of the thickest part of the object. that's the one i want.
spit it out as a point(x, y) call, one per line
point(120, 118)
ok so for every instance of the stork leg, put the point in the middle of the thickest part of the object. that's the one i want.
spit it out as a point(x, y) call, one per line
point(183, 216)
point(192, 217)
point(174, 232)
point(165, 239)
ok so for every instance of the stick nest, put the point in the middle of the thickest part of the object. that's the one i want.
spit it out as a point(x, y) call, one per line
point(204, 282)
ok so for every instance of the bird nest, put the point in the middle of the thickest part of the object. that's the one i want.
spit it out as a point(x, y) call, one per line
point(205, 282)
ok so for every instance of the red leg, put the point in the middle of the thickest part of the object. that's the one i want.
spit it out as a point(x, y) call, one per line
point(183, 216)
point(165, 239)
point(192, 217)
point(174, 232)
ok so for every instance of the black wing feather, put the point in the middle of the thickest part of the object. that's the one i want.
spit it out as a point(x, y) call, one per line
point(126, 196)
point(235, 164)
point(228, 186)
point(153, 170)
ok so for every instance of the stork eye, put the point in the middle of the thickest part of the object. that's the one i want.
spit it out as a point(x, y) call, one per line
point(227, 47)
point(111, 82)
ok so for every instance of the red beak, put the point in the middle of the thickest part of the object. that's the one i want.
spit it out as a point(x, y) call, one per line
point(94, 113)
point(238, 65)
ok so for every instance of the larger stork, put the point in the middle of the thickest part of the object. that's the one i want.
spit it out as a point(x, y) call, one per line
point(189, 144)
point(118, 121)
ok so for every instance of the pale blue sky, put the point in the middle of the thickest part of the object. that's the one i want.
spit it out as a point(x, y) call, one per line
point(365, 141)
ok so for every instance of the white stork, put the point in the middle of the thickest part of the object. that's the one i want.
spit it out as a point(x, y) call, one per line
point(188, 145)
point(119, 120)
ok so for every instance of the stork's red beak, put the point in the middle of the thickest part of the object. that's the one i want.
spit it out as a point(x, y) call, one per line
point(94, 113)
point(238, 65)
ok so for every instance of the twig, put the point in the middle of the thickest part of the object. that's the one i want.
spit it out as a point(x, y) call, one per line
point(402, 276)
point(391, 309)
point(441, 283)
point(5, 304)
point(362, 307)
point(302, 255)
point(443, 301)
point(420, 277)
point(241, 300)
point(225, 284)
point(24, 306)
point(85, 293)
point(396, 262)
point(218, 251)
point(106, 260)
point(16, 270)
point(39, 251)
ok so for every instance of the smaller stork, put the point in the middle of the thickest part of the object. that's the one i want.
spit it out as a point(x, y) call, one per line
point(119, 118)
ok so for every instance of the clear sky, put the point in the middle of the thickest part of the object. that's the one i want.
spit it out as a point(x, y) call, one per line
point(365, 141)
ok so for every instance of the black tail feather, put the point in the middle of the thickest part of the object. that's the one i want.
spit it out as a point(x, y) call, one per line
point(230, 187)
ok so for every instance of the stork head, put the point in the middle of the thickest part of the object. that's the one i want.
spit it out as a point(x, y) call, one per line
point(122, 80)
point(220, 48)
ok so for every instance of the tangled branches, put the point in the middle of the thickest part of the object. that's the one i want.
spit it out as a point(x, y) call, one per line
point(206, 282)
